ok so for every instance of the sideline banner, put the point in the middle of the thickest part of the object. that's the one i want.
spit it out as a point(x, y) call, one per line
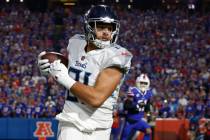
point(171, 129)
point(28, 129)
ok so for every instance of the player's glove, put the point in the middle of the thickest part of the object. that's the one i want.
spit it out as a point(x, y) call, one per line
point(60, 73)
point(43, 64)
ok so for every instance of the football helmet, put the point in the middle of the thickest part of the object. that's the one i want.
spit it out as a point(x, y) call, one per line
point(100, 14)
point(143, 82)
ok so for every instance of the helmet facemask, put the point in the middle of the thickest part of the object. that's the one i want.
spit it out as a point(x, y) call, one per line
point(143, 86)
point(90, 28)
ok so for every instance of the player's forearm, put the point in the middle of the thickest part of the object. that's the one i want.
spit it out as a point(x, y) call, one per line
point(88, 94)
point(105, 85)
point(129, 105)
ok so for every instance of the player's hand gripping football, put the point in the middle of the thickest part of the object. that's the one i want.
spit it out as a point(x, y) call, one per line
point(60, 73)
point(43, 64)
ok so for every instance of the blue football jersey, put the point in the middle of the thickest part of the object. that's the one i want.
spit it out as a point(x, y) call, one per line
point(140, 99)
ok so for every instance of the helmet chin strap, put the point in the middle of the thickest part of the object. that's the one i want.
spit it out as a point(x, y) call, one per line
point(101, 44)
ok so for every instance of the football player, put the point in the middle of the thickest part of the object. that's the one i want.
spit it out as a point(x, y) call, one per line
point(96, 69)
point(135, 106)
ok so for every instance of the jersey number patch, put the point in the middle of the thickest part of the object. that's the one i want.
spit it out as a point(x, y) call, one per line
point(78, 74)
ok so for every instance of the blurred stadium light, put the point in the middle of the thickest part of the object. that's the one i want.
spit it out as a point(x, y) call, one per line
point(69, 2)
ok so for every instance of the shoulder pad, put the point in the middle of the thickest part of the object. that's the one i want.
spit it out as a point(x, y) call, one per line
point(119, 57)
point(77, 36)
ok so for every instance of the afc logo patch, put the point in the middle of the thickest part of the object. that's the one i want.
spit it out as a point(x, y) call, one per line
point(43, 129)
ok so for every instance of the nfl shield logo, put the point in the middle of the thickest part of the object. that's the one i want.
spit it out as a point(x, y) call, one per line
point(83, 58)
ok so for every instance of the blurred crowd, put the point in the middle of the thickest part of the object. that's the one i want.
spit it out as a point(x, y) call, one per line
point(172, 47)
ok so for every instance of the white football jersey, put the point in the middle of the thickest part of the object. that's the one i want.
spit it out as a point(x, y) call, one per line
point(85, 68)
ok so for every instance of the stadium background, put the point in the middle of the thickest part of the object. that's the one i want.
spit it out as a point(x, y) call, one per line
point(170, 40)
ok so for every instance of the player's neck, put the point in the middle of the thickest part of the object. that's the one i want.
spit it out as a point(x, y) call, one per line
point(143, 92)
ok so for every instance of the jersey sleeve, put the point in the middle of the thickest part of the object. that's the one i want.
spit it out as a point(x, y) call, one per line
point(135, 92)
point(70, 46)
point(120, 59)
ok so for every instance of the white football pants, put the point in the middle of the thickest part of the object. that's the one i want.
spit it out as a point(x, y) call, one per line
point(67, 131)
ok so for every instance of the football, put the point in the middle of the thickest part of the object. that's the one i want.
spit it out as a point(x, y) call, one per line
point(52, 56)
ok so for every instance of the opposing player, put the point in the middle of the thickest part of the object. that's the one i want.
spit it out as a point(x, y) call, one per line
point(96, 69)
point(135, 105)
